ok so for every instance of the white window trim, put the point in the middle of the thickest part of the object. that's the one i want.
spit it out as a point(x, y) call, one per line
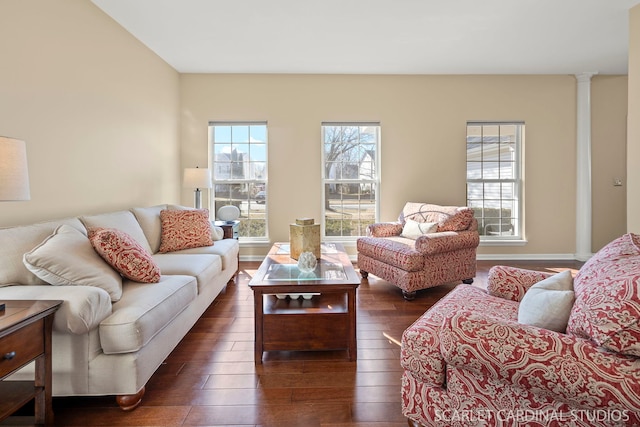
point(349, 241)
point(243, 241)
point(518, 239)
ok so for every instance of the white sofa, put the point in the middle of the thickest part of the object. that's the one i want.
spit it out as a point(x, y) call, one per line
point(105, 343)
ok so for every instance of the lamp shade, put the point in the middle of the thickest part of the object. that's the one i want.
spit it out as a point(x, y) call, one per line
point(14, 174)
point(196, 178)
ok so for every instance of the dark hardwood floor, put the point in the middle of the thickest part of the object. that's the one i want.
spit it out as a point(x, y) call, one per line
point(210, 379)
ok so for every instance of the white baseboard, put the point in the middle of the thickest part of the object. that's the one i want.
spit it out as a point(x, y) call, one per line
point(526, 257)
point(479, 257)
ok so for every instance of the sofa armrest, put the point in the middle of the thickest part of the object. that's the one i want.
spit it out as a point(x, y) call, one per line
point(563, 367)
point(447, 241)
point(512, 283)
point(82, 309)
point(384, 229)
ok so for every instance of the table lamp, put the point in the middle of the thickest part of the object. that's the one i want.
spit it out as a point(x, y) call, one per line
point(14, 174)
point(197, 178)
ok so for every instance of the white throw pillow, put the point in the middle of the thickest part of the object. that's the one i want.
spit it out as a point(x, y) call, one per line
point(548, 303)
point(67, 258)
point(217, 233)
point(414, 229)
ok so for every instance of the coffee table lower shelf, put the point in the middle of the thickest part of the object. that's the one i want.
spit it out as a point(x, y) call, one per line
point(321, 323)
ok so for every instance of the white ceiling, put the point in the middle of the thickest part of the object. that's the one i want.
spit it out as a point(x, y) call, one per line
point(381, 36)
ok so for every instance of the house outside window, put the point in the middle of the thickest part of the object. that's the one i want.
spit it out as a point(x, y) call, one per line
point(238, 156)
point(351, 171)
point(494, 179)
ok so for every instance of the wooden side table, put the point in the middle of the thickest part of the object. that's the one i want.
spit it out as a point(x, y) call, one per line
point(230, 229)
point(25, 336)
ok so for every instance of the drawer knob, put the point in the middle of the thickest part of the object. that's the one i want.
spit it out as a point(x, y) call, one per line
point(10, 355)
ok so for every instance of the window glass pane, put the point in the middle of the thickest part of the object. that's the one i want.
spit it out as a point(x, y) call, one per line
point(240, 134)
point(492, 190)
point(508, 190)
point(491, 170)
point(474, 131)
point(368, 133)
point(474, 170)
point(507, 170)
point(237, 171)
point(223, 192)
point(491, 152)
point(508, 133)
point(222, 134)
point(367, 170)
point(258, 133)
point(490, 133)
point(475, 191)
point(507, 152)
point(258, 152)
point(258, 170)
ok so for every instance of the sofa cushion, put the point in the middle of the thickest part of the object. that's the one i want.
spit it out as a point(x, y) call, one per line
point(121, 220)
point(149, 220)
point(203, 267)
point(124, 254)
point(449, 218)
point(67, 258)
point(143, 311)
point(607, 306)
point(16, 241)
point(227, 249)
point(547, 304)
point(397, 251)
point(184, 229)
point(82, 310)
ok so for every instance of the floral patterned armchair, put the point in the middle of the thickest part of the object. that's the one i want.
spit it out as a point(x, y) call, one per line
point(469, 361)
point(428, 246)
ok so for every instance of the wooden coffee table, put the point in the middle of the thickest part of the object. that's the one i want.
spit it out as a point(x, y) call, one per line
point(322, 318)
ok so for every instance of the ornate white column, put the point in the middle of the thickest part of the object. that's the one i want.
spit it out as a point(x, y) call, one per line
point(583, 166)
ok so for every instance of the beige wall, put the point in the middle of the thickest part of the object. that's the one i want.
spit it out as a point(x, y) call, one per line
point(633, 124)
point(608, 158)
point(423, 130)
point(97, 109)
point(109, 125)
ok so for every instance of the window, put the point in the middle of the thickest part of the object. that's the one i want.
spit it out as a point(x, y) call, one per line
point(350, 177)
point(239, 164)
point(494, 178)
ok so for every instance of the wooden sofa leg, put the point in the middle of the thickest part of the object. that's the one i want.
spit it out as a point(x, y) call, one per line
point(467, 281)
point(413, 423)
point(129, 402)
point(364, 274)
point(409, 296)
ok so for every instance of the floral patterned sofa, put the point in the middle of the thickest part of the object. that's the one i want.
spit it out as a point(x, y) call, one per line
point(470, 361)
point(428, 246)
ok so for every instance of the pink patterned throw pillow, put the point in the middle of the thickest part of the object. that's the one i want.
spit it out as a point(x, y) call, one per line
point(124, 254)
point(449, 218)
point(607, 307)
point(185, 229)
